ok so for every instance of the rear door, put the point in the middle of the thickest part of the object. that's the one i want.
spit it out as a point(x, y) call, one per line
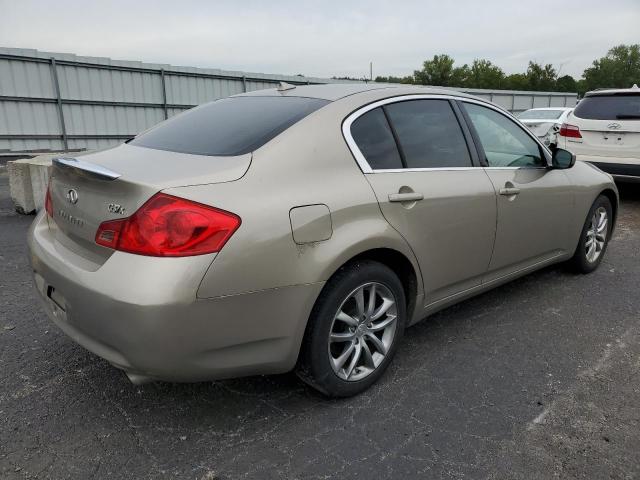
point(534, 202)
point(609, 127)
point(417, 160)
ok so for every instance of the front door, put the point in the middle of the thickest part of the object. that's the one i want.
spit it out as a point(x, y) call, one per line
point(533, 201)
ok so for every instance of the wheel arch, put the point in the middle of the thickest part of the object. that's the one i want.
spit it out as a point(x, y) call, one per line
point(401, 266)
point(406, 270)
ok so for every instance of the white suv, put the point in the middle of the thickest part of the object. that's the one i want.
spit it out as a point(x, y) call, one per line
point(604, 129)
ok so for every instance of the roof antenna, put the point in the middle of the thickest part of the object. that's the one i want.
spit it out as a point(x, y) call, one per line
point(283, 86)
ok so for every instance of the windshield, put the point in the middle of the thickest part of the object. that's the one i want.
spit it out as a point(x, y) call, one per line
point(230, 126)
point(609, 107)
point(540, 114)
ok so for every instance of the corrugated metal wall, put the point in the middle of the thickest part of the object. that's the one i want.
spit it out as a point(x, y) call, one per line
point(57, 101)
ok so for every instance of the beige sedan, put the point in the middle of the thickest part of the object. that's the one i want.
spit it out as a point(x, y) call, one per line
point(304, 228)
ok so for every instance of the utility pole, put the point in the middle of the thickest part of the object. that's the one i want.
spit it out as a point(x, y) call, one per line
point(371, 71)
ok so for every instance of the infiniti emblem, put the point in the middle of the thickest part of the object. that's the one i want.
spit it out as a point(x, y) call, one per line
point(613, 126)
point(72, 196)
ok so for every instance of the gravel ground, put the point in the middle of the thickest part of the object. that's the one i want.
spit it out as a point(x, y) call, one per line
point(537, 379)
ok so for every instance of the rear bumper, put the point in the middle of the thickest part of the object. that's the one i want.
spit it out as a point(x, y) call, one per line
point(141, 314)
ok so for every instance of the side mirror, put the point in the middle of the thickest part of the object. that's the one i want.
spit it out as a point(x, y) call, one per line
point(562, 159)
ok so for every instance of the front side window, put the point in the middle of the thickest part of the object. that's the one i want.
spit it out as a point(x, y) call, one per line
point(428, 133)
point(373, 136)
point(505, 144)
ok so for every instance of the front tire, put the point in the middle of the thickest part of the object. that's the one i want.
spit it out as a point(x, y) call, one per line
point(594, 237)
point(353, 330)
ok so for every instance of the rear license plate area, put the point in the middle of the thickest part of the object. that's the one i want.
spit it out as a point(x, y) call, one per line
point(613, 138)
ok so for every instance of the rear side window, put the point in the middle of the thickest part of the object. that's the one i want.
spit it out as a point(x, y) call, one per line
point(609, 107)
point(373, 136)
point(230, 126)
point(429, 134)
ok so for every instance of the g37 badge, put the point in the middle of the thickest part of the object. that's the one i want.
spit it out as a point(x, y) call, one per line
point(115, 208)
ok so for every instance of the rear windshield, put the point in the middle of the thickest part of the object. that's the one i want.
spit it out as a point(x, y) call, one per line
point(540, 114)
point(609, 107)
point(230, 126)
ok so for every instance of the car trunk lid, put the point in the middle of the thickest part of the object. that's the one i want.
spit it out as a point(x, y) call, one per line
point(114, 183)
point(538, 127)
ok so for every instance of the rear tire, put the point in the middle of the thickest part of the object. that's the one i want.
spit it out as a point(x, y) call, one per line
point(594, 237)
point(354, 329)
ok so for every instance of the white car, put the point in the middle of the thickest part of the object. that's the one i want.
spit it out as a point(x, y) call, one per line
point(545, 123)
point(604, 129)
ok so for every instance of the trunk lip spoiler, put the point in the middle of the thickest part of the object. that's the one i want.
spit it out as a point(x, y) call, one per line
point(87, 168)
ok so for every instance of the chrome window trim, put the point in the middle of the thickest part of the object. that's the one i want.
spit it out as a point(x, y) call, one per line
point(366, 168)
point(429, 169)
point(357, 154)
point(446, 169)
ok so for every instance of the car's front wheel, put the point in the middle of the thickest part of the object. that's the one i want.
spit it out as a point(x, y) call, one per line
point(595, 236)
point(353, 330)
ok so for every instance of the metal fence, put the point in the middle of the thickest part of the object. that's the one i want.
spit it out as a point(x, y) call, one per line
point(57, 101)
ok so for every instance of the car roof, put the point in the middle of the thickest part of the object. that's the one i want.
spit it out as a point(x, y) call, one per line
point(614, 91)
point(336, 91)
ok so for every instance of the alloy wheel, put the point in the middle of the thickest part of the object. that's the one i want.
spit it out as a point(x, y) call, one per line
point(596, 234)
point(362, 331)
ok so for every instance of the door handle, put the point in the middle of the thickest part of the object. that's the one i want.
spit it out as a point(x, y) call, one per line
point(509, 191)
point(405, 197)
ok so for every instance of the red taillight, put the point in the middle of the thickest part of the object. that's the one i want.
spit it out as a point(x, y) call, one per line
point(48, 204)
point(570, 131)
point(168, 226)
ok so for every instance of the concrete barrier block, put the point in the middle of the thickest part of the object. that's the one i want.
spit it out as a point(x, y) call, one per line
point(39, 170)
point(20, 186)
point(28, 180)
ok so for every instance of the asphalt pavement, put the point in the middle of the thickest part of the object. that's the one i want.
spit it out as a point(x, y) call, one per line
point(537, 379)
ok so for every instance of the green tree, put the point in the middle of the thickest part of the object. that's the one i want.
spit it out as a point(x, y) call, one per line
point(620, 68)
point(541, 78)
point(516, 81)
point(460, 76)
point(566, 83)
point(392, 79)
point(484, 74)
point(438, 71)
point(581, 87)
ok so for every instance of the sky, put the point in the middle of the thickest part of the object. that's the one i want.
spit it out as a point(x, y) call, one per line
point(325, 38)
